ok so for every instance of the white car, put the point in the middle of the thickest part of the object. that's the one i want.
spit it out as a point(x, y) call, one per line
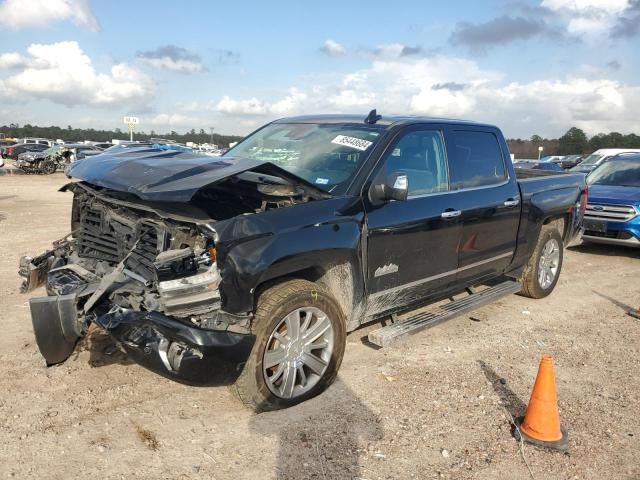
point(599, 156)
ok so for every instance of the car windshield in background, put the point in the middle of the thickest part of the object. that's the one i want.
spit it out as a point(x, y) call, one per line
point(622, 173)
point(592, 159)
point(326, 155)
point(53, 150)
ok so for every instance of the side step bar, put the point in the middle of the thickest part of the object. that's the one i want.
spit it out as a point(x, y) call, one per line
point(386, 335)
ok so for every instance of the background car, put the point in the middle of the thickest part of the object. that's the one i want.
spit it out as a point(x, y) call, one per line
point(599, 156)
point(42, 141)
point(78, 151)
point(613, 208)
point(533, 165)
point(570, 161)
point(551, 158)
point(12, 151)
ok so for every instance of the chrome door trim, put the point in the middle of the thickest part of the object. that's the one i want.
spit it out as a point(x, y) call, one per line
point(440, 275)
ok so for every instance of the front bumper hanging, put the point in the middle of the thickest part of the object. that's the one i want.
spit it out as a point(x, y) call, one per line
point(176, 350)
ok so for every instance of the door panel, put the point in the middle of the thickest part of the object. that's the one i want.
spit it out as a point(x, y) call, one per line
point(489, 232)
point(489, 201)
point(410, 245)
point(411, 249)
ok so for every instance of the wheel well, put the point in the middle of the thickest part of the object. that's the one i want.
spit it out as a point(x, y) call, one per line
point(560, 223)
point(337, 279)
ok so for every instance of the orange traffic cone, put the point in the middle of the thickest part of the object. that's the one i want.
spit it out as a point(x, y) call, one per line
point(634, 313)
point(541, 423)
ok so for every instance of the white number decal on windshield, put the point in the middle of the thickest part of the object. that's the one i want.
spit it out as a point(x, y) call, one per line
point(352, 142)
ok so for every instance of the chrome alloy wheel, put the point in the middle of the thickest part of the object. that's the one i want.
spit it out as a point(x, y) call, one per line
point(298, 352)
point(549, 262)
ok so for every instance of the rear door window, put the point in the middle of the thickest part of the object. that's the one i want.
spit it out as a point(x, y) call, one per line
point(475, 159)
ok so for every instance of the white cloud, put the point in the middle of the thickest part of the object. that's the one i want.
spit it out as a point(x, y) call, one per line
point(392, 50)
point(586, 5)
point(12, 60)
point(294, 102)
point(333, 48)
point(453, 87)
point(63, 73)
point(183, 66)
point(251, 106)
point(588, 17)
point(16, 14)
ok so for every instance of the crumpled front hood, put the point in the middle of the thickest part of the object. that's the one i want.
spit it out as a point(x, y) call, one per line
point(614, 194)
point(171, 176)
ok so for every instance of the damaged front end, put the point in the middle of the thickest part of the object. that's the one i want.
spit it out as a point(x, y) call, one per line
point(151, 282)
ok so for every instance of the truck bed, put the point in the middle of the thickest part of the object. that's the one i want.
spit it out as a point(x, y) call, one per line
point(535, 181)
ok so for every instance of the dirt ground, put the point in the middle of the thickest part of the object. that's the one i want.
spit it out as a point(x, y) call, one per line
point(437, 405)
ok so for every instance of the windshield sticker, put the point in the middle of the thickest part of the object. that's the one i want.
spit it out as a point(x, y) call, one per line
point(322, 181)
point(352, 142)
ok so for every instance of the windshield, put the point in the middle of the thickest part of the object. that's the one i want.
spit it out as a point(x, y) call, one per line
point(326, 155)
point(623, 173)
point(52, 150)
point(592, 159)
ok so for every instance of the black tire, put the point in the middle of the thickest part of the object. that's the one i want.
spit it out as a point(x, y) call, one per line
point(274, 304)
point(531, 286)
point(48, 167)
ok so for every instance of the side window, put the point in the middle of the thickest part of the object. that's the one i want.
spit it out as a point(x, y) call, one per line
point(475, 159)
point(420, 155)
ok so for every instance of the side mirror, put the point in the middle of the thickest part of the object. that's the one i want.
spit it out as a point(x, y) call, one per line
point(395, 187)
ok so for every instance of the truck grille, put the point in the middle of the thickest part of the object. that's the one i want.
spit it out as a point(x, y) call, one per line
point(610, 213)
point(110, 238)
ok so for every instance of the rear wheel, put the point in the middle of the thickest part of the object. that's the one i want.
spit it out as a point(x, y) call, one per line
point(543, 270)
point(300, 340)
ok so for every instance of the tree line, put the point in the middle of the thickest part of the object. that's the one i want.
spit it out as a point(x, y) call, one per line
point(70, 134)
point(574, 141)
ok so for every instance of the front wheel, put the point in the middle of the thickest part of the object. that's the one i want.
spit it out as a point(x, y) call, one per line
point(543, 269)
point(300, 340)
point(48, 167)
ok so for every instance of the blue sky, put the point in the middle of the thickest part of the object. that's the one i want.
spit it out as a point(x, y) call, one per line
point(537, 66)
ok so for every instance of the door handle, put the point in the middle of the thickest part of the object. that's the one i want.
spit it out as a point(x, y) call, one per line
point(511, 203)
point(450, 214)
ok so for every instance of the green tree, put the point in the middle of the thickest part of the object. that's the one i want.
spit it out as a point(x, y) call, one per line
point(574, 141)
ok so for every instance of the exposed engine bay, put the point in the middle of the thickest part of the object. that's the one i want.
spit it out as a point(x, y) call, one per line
point(149, 266)
point(153, 264)
point(132, 261)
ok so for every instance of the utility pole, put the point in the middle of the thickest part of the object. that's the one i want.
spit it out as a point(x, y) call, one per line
point(211, 141)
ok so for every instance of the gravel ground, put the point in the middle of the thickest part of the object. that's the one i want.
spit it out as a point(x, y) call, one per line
point(435, 406)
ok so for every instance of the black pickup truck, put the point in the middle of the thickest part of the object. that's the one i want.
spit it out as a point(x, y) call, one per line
point(250, 269)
